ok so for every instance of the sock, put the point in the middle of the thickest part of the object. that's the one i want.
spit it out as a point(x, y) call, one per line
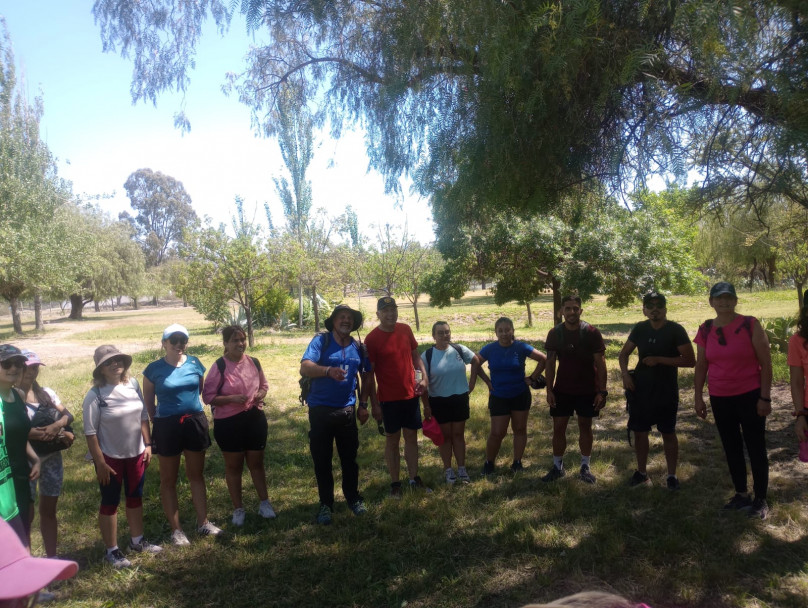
point(558, 462)
point(584, 460)
point(111, 550)
point(672, 475)
point(461, 470)
point(137, 539)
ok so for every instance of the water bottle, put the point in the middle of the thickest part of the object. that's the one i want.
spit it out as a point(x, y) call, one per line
point(418, 377)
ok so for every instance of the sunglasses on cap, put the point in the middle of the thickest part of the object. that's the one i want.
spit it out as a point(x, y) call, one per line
point(9, 363)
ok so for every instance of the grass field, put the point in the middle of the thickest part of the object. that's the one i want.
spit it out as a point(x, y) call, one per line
point(499, 542)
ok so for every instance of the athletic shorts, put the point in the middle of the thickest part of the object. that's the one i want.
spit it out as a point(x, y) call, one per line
point(454, 408)
point(567, 405)
point(246, 431)
point(51, 476)
point(643, 414)
point(172, 435)
point(130, 473)
point(503, 406)
point(404, 414)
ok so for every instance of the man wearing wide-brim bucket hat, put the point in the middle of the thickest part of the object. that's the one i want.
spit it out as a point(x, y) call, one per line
point(333, 361)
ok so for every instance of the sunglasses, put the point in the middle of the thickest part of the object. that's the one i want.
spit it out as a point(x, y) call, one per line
point(113, 361)
point(175, 340)
point(655, 306)
point(9, 363)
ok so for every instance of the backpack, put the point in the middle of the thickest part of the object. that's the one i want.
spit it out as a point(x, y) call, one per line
point(305, 381)
point(708, 326)
point(220, 365)
point(428, 355)
point(583, 332)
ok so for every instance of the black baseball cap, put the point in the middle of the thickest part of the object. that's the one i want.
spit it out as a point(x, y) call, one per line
point(721, 288)
point(654, 295)
point(385, 302)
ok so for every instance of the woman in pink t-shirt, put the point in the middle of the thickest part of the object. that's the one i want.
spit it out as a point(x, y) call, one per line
point(733, 356)
point(235, 388)
point(798, 367)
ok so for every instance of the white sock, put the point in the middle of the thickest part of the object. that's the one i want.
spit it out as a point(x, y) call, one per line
point(558, 462)
point(137, 539)
point(111, 550)
point(584, 460)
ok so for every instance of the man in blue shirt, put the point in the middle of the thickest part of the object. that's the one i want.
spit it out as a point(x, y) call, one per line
point(334, 361)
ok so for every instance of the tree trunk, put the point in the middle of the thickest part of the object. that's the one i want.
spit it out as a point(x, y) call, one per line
point(315, 307)
point(97, 305)
point(118, 300)
point(556, 300)
point(185, 301)
point(135, 303)
point(800, 294)
point(16, 319)
point(38, 323)
point(300, 303)
point(76, 307)
point(529, 315)
point(417, 320)
point(112, 304)
point(154, 301)
point(248, 315)
point(482, 283)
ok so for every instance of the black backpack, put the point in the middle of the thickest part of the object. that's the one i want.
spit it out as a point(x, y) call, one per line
point(583, 332)
point(220, 364)
point(746, 324)
point(305, 381)
point(429, 356)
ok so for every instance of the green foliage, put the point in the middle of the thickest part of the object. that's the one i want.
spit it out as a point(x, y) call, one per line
point(271, 307)
point(779, 330)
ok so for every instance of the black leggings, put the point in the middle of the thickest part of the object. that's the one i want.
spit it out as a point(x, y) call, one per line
point(738, 422)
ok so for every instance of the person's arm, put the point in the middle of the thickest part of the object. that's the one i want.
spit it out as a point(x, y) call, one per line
point(145, 431)
point(263, 387)
point(700, 377)
point(541, 360)
point(600, 380)
point(764, 356)
point(33, 460)
point(310, 369)
point(418, 363)
point(622, 359)
point(426, 406)
point(549, 374)
point(148, 400)
point(102, 469)
point(362, 410)
point(686, 358)
point(478, 372)
point(797, 383)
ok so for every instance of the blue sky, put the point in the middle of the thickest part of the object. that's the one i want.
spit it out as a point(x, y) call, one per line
point(99, 137)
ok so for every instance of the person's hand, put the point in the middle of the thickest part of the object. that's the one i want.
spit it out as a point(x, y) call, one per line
point(489, 385)
point(528, 381)
point(362, 414)
point(801, 427)
point(52, 431)
point(68, 438)
point(147, 455)
point(35, 470)
point(472, 384)
point(650, 361)
point(376, 412)
point(237, 398)
point(764, 408)
point(421, 387)
point(259, 395)
point(427, 412)
point(103, 472)
point(336, 373)
point(550, 398)
point(599, 402)
point(628, 382)
point(701, 407)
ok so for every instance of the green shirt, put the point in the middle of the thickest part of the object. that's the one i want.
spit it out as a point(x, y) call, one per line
point(8, 500)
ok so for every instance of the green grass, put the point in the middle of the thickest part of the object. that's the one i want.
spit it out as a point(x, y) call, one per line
point(502, 542)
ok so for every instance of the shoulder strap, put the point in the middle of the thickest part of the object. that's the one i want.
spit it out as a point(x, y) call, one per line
point(428, 356)
point(457, 348)
point(220, 365)
point(101, 402)
point(747, 325)
point(257, 364)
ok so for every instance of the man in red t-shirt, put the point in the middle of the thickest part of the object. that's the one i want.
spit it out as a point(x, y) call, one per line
point(393, 354)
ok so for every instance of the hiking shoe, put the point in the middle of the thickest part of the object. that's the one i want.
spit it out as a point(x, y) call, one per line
point(239, 515)
point(488, 468)
point(265, 510)
point(554, 473)
point(639, 479)
point(358, 507)
point(324, 515)
point(462, 475)
point(208, 529)
point(395, 490)
point(450, 476)
point(672, 482)
point(586, 475)
point(179, 539)
point(144, 546)
point(759, 509)
point(738, 503)
point(117, 559)
point(45, 596)
point(417, 484)
point(517, 466)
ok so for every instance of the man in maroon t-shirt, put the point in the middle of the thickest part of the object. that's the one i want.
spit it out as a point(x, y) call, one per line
point(393, 354)
point(579, 387)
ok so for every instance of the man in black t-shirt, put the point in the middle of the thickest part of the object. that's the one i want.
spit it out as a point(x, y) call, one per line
point(652, 392)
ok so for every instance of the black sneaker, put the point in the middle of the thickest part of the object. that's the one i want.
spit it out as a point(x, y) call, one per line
point(395, 490)
point(517, 466)
point(417, 484)
point(586, 475)
point(738, 502)
point(639, 479)
point(144, 546)
point(672, 482)
point(488, 468)
point(554, 473)
point(759, 509)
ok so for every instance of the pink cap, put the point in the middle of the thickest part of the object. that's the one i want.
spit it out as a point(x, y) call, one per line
point(21, 574)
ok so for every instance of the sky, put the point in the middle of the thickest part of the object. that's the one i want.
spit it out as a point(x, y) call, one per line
point(99, 137)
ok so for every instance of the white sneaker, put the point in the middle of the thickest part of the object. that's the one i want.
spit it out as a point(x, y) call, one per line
point(179, 539)
point(208, 529)
point(462, 475)
point(144, 546)
point(450, 476)
point(238, 516)
point(265, 510)
point(116, 559)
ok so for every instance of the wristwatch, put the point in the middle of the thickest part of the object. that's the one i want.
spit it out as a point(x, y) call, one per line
point(363, 405)
point(604, 393)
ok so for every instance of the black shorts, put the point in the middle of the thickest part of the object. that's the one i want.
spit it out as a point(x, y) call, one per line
point(404, 414)
point(246, 431)
point(503, 406)
point(454, 408)
point(567, 405)
point(172, 435)
point(643, 414)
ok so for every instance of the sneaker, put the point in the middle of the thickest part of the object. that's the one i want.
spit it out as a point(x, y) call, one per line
point(586, 475)
point(640, 479)
point(239, 515)
point(208, 529)
point(450, 476)
point(45, 596)
point(554, 473)
point(358, 507)
point(179, 539)
point(462, 475)
point(265, 510)
point(324, 515)
point(517, 466)
point(395, 490)
point(738, 502)
point(417, 484)
point(117, 559)
point(759, 509)
point(488, 468)
point(672, 482)
point(144, 546)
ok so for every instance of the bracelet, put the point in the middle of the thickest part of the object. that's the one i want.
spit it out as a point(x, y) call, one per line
point(327, 369)
point(804, 412)
point(766, 399)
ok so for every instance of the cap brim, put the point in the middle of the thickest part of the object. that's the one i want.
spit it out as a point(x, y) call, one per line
point(30, 574)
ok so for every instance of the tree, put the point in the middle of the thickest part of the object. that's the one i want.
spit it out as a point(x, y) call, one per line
point(163, 210)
